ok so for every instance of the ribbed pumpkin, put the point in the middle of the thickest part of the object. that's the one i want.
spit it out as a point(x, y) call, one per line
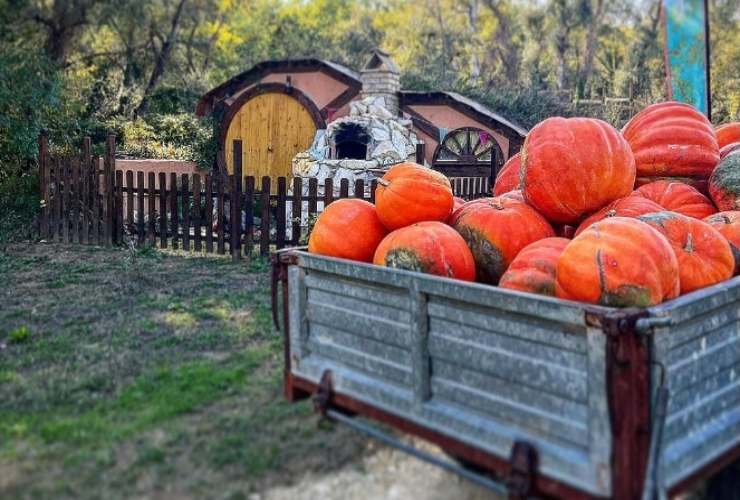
point(701, 185)
point(410, 193)
point(496, 229)
point(729, 149)
point(348, 229)
point(728, 133)
point(629, 206)
point(704, 255)
point(533, 269)
point(724, 184)
point(728, 225)
point(619, 262)
point(572, 167)
point(508, 177)
point(672, 139)
point(677, 197)
point(427, 247)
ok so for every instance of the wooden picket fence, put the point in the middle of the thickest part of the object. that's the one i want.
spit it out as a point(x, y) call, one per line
point(86, 200)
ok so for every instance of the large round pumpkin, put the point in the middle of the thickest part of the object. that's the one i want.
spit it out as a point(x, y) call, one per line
point(677, 197)
point(724, 184)
point(729, 149)
point(619, 262)
point(672, 139)
point(572, 167)
point(533, 269)
point(348, 229)
point(629, 206)
point(496, 229)
point(508, 177)
point(728, 225)
point(728, 133)
point(427, 247)
point(410, 193)
point(704, 255)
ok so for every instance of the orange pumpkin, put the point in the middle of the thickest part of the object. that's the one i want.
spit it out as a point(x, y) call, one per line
point(508, 177)
point(533, 269)
point(572, 167)
point(514, 195)
point(427, 247)
point(729, 149)
point(629, 206)
point(701, 185)
point(728, 133)
point(496, 229)
point(672, 139)
point(728, 225)
point(677, 197)
point(620, 262)
point(410, 193)
point(458, 202)
point(724, 184)
point(704, 255)
point(348, 229)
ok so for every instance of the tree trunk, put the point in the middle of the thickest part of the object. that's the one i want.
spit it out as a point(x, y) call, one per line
point(507, 52)
point(587, 63)
point(62, 25)
point(162, 57)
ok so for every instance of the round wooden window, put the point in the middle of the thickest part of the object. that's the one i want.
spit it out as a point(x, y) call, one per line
point(467, 152)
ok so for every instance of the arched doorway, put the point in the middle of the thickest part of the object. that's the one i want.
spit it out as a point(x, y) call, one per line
point(274, 122)
point(470, 157)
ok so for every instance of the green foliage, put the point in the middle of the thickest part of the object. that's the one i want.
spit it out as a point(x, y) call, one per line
point(19, 335)
point(19, 205)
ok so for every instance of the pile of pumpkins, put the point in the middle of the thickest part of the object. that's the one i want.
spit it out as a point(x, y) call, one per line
point(585, 212)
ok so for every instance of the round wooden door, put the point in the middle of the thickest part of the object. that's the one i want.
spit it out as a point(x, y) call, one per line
point(273, 127)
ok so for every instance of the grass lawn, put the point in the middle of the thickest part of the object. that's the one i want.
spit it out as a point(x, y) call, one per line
point(146, 374)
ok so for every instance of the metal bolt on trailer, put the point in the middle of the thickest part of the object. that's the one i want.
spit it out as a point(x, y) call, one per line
point(541, 396)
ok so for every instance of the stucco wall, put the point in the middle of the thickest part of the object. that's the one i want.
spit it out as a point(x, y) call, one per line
point(446, 117)
point(318, 86)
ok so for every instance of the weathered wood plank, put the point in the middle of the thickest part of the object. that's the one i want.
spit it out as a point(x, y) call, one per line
point(209, 213)
point(281, 209)
point(296, 212)
point(265, 217)
point(162, 210)
point(140, 194)
point(221, 216)
point(185, 189)
point(196, 213)
point(249, 201)
point(174, 211)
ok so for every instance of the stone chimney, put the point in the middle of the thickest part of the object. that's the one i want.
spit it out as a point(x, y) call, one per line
point(381, 78)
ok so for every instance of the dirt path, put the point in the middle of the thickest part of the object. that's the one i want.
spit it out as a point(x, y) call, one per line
point(384, 474)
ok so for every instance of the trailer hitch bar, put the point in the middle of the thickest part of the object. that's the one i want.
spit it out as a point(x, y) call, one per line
point(523, 456)
point(387, 439)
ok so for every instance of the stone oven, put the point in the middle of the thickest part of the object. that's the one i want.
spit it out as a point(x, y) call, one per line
point(361, 145)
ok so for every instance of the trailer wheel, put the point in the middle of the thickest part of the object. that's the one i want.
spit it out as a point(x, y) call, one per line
point(725, 485)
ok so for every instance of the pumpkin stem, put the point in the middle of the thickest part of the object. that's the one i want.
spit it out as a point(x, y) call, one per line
point(383, 182)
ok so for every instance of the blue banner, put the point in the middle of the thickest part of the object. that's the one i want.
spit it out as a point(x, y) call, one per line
point(686, 52)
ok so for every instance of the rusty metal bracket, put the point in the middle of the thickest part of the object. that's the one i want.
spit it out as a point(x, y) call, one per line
point(524, 462)
point(616, 327)
point(324, 393)
point(279, 275)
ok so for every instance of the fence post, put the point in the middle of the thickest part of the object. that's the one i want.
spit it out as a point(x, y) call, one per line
point(281, 208)
point(265, 217)
point(86, 174)
point(109, 166)
point(249, 217)
point(235, 205)
point(420, 153)
point(44, 184)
